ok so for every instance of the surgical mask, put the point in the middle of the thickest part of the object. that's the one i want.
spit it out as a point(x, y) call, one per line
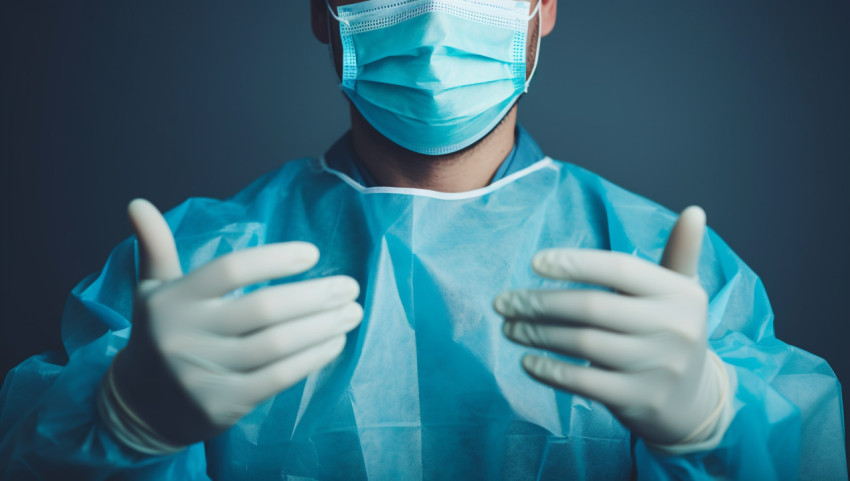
point(434, 76)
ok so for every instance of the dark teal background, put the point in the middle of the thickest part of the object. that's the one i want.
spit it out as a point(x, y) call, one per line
point(741, 107)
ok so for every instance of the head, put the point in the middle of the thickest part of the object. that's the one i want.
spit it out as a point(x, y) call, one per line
point(327, 30)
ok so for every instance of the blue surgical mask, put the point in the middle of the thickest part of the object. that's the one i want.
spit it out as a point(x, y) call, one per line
point(434, 76)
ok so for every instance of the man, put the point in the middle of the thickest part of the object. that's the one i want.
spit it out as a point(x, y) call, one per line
point(432, 299)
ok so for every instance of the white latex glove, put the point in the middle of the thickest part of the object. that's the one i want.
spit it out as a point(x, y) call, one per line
point(196, 362)
point(647, 344)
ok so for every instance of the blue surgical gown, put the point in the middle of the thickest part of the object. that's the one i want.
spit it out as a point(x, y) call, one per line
point(428, 387)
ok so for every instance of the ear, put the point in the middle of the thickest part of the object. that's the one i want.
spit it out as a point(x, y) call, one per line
point(319, 20)
point(550, 13)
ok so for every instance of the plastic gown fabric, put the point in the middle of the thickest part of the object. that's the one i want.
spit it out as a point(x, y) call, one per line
point(428, 387)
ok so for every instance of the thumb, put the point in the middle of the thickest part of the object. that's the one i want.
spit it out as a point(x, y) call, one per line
point(685, 242)
point(157, 253)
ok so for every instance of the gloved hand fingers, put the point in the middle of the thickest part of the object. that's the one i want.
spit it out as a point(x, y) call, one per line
point(602, 348)
point(609, 388)
point(246, 267)
point(157, 253)
point(586, 307)
point(616, 270)
point(281, 375)
point(685, 242)
point(276, 304)
point(280, 341)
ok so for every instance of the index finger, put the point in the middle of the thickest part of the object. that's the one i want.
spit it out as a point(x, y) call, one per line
point(246, 267)
point(616, 270)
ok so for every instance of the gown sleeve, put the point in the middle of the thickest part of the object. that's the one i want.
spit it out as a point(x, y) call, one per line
point(49, 428)
point(788, 419)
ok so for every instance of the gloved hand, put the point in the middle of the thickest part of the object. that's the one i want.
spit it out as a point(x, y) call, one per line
point(647, 344)
point(196, 362)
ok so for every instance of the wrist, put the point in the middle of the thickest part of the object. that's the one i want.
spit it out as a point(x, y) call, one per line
point(710, 432)
point(150, 389)
point(125, 423)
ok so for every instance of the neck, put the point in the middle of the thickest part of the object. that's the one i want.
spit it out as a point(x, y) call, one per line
point(469, 169)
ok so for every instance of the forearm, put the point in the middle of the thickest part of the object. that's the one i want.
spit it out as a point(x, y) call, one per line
point(770, 436)
point(51, 428)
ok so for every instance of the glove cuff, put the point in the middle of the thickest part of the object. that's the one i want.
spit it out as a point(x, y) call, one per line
point(708, 435)
point(130, 429)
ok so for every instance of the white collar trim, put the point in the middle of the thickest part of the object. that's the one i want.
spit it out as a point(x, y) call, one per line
point(546, 162)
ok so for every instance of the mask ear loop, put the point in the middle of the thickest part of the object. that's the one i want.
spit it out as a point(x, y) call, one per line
point(330, 29)
point(334, 15)
point(538, 11)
